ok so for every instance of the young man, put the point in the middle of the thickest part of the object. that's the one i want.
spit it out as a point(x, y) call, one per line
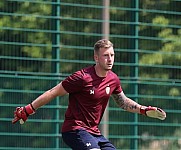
point(89, 91)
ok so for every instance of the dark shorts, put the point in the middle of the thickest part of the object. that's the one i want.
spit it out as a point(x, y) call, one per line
point(83, 140)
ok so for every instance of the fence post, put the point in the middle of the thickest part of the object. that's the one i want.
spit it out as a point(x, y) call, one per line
point(134, 69)
point(56, 56)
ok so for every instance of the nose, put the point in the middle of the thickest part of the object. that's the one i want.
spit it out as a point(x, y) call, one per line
point(109, 57)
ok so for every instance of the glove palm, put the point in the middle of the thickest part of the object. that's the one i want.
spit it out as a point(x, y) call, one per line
point(153, 112)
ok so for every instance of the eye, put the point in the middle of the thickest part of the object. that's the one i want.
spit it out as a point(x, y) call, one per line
point(106, 54)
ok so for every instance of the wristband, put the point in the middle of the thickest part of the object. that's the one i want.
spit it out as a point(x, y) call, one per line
point(142, 111)
point(29, 109)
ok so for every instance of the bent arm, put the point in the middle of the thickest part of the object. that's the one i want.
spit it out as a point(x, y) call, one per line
point(49, 95)
point(126, 103)
point(131, 106)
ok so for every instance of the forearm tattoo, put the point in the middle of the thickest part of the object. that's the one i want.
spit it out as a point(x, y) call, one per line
point(124, 103)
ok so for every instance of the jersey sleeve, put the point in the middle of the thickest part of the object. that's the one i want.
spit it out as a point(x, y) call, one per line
point(73, 83)
point(118, 88)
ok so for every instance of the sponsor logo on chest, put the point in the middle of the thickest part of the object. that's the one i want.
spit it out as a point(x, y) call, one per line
point(91, 91)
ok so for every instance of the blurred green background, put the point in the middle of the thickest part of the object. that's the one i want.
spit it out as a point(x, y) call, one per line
point(44, 41)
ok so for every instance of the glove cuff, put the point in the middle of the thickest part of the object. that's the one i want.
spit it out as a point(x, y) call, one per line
point(142, 110)
point(29, 109)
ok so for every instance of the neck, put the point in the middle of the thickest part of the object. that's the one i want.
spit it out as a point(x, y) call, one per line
point(100, 72)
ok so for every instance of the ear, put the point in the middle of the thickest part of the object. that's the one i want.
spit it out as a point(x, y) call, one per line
point(96, 58)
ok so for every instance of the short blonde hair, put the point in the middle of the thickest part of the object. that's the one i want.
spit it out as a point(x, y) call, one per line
point(103, 43)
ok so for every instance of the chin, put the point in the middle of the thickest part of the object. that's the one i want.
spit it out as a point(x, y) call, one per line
point(107, 69)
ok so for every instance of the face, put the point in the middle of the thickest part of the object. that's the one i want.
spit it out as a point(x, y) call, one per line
point(105, 58)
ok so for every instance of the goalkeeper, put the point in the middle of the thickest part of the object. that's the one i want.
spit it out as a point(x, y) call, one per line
point(89, 91)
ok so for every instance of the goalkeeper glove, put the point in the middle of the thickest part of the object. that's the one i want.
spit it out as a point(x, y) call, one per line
point(153, 112)
point(21, 113)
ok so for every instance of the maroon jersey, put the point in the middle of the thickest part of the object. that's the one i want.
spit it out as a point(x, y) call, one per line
point(88, 98)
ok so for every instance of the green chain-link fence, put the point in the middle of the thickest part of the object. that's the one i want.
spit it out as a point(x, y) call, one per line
point(42, 42)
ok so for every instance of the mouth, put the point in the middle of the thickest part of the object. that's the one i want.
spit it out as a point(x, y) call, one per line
point(110, 65)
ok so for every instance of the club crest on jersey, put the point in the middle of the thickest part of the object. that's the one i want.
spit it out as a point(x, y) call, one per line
point(107, 89)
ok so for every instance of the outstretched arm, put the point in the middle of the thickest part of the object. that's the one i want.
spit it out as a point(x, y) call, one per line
point(21, 113)
point(131, 106)
point(49, 95)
